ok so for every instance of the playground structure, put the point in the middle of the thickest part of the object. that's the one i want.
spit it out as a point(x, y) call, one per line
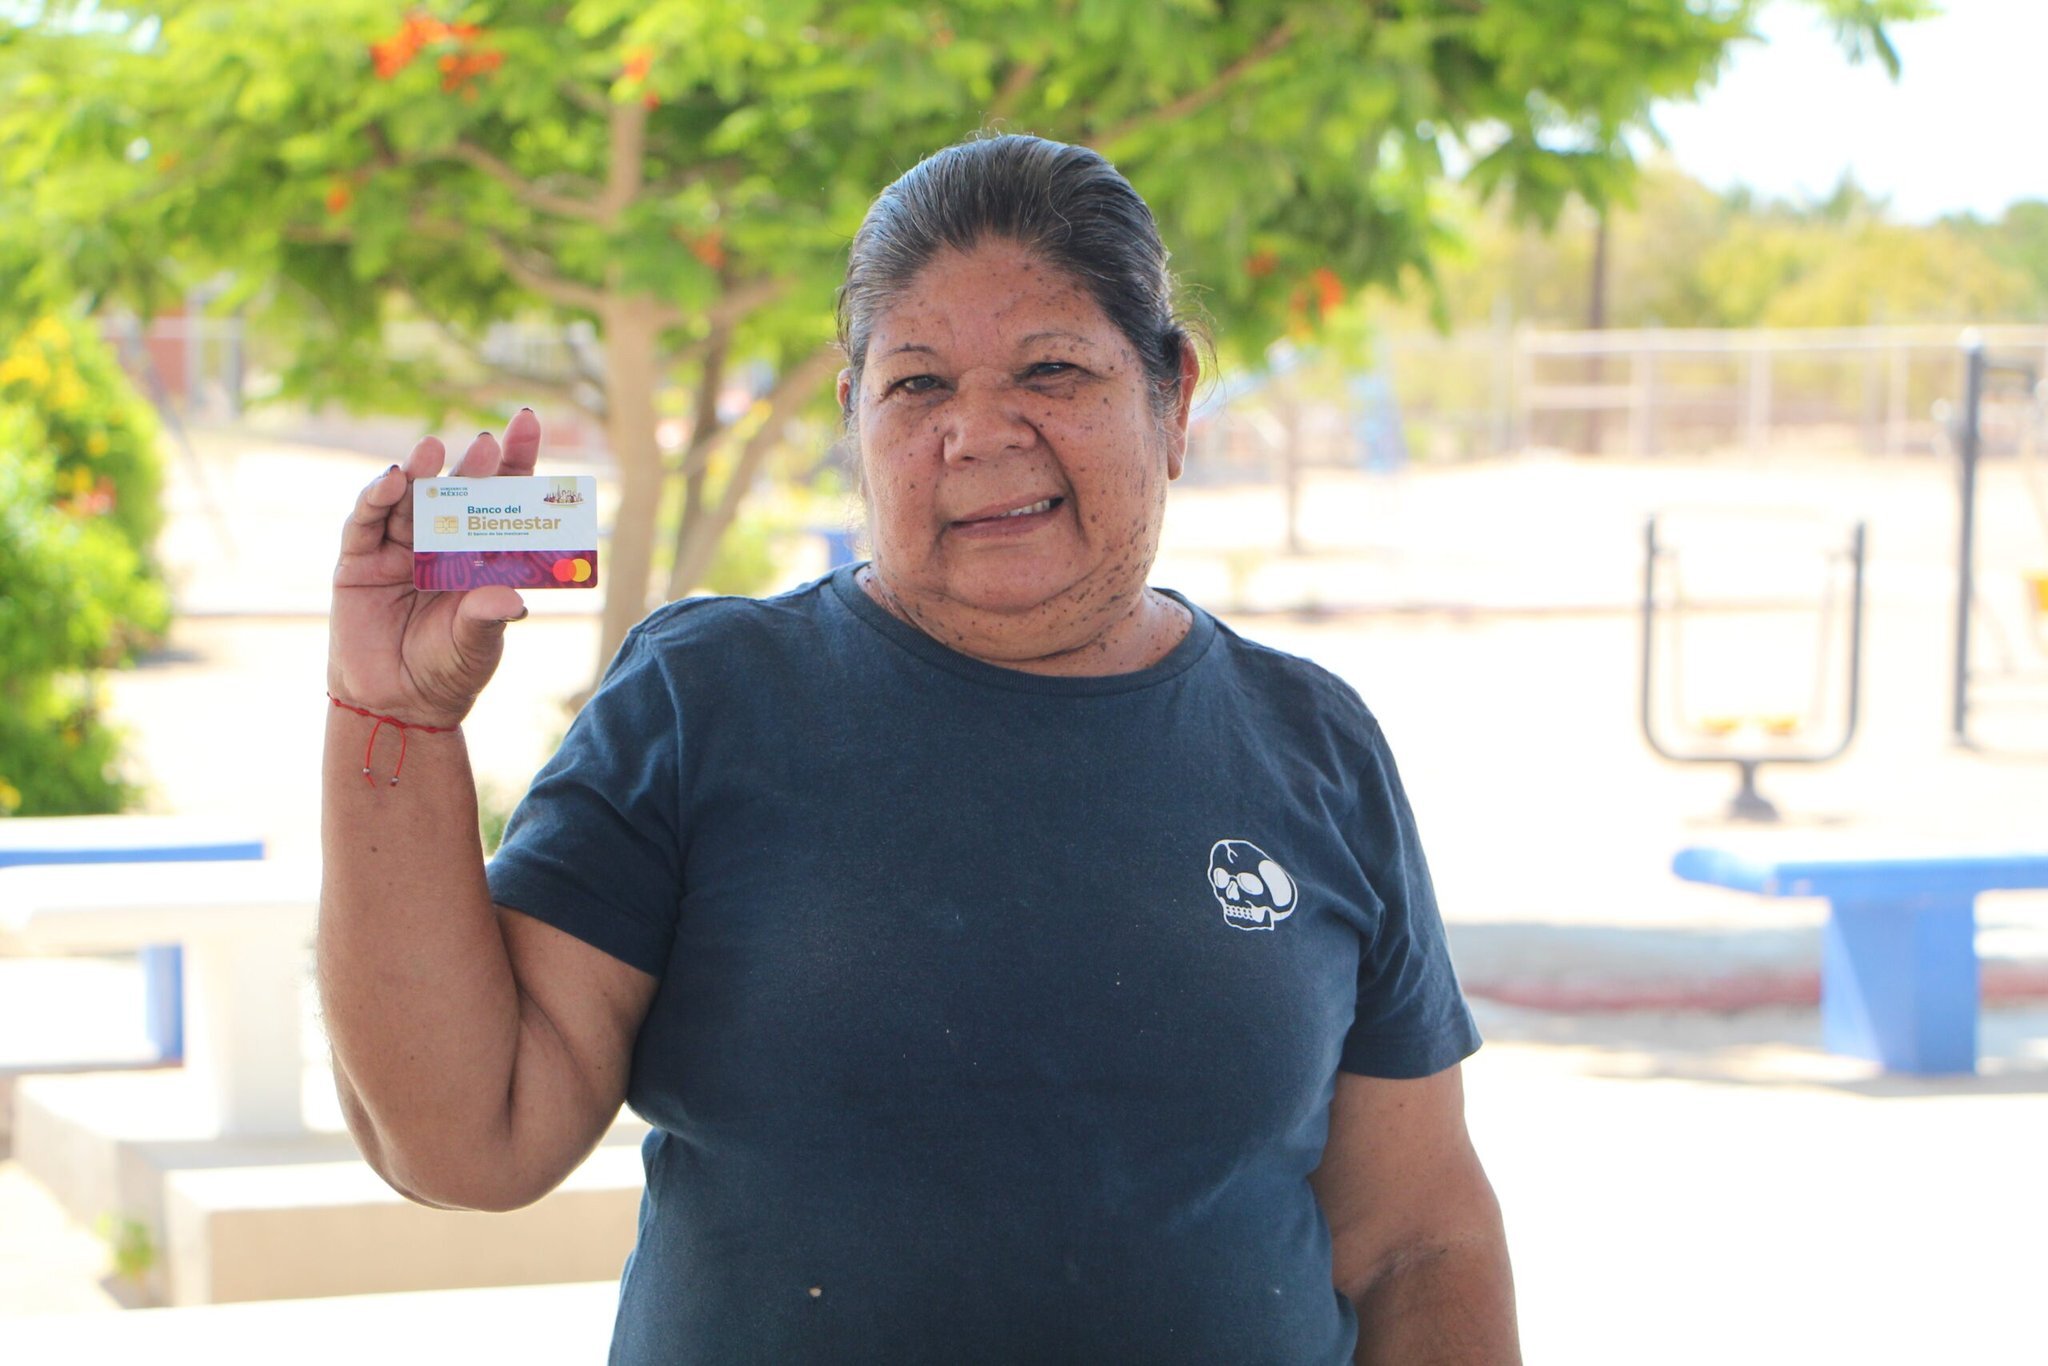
point(1981, 370)
point(1748, 735)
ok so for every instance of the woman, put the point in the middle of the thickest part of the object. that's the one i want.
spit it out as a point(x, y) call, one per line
point(1015, 965)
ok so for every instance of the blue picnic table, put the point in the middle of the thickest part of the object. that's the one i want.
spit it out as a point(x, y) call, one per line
point(1899, 955)
point(26, 841)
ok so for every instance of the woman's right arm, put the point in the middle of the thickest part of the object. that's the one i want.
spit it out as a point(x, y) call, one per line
point(480, 1054)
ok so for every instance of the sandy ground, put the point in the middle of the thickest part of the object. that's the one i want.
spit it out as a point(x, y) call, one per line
point(1680, 1187)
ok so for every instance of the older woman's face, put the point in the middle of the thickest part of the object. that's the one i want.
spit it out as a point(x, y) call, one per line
point(1013, 460)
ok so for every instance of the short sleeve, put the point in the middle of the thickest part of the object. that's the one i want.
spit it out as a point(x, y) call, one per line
point(1411, 1020)
point(593, 848)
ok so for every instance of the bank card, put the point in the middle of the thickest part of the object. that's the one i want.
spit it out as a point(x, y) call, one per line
point(528, 531)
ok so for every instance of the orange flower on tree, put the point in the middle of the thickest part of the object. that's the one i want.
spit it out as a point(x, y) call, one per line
point(419, 31)
point(710, 249)
point(1329, 289)
point(459, 69)
point(339, 197)
point(1322, 288)
point(1260, 264)
point(639, 62)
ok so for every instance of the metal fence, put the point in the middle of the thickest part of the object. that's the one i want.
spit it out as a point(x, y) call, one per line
point(1647, 393)
point(1469, 395)
point(1644, 393)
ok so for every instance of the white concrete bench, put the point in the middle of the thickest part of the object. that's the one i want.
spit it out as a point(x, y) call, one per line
point(122, 839)
point(36, 840)
point(241, 1196)
point(244, 927)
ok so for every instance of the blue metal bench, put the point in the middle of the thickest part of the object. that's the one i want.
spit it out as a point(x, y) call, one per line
point(132, 839)
point(1899, 956)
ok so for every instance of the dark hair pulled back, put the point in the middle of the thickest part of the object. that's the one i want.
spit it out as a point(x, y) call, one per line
point(1066, 203)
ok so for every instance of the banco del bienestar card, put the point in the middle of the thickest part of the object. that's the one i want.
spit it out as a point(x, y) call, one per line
point(528, 531)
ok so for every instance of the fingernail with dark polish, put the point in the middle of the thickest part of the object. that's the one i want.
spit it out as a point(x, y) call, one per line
point(392, 470)
point(526, 410)
point(481, 435)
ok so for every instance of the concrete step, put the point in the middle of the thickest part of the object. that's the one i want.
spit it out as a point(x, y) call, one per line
point(334, 1228)
point(520, 1326)
point(216, 1220)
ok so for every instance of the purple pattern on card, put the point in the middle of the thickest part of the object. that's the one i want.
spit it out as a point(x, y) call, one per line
point(456, 570)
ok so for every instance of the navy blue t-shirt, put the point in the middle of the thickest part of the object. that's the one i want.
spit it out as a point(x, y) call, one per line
point(999, 1015)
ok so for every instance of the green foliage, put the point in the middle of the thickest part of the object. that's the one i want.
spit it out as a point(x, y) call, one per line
point(80, 593)
point(131, 1245)
point(684, 174)
point(1680, 255)
point(466, 157)
point(1885, 273)
point(2019, 242)
point(746, 560)
point(69, 578)
point(85, 415)
point(58, 757)
point(494, 803)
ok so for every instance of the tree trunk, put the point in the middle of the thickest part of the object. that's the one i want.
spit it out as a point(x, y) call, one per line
point(699, 532)
point(631, 369)
point(1596, 321)
point(706, 430)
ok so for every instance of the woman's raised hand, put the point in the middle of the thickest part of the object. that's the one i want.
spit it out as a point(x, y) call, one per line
point(421, 657)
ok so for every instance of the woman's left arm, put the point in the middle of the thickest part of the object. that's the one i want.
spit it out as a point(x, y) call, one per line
point(1416, 1237)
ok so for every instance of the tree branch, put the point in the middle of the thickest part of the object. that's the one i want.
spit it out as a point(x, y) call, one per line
point(724, 170)
point(705, 427)
point(460, 338)
point(795, 385)
point(524, 190)
point(543, 282)
point(382, 152)
point(538, 278)
point(627, 169)
point(491, 395)
point(439, 229)
point(1193, 100)
point(589, 101)
point(1012, 92)
point(730, 309)
point(697, 542)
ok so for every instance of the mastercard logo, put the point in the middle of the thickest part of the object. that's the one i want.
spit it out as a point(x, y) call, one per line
point(576, 570)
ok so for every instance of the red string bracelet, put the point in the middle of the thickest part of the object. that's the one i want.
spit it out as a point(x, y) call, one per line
point(383, 721)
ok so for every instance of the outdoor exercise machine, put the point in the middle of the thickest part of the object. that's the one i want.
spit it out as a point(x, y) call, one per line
point(1978, 370)
point(1751, 742)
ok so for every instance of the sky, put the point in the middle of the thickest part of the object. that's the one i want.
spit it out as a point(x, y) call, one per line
point(1965, 128)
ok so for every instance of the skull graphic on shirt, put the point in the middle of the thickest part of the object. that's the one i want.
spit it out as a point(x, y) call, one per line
point(1254, 891)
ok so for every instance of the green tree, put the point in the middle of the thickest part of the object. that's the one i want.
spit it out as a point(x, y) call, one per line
point(1843, 262)
point(1877, 273)
point(77, 593)
point(1683, 256)
point(79, 511)
point(682, 175)
point(1542, 274)
point(2018, 241)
